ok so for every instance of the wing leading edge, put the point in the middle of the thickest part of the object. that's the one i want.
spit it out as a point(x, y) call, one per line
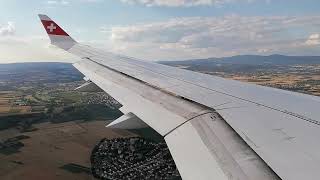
point(280, 127)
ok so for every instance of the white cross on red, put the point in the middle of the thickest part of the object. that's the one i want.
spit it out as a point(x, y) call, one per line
point(51, 27)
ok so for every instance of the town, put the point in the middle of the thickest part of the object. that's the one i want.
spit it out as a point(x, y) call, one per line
point(132, 158)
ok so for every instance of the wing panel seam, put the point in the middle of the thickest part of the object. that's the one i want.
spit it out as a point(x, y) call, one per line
point(198, 115)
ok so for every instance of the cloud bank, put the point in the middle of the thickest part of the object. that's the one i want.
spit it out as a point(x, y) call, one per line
point(61, 2)
point(177, 3)
point(196, 37)
point(8, 29)
point(314, 39)
point(15, 48)
point(182, 38)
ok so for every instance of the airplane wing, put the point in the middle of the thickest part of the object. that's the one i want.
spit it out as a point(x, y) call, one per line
point(214, 128)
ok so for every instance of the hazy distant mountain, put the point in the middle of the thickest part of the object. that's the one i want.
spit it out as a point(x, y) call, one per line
point(41, 72)
point(249, 60)
point(36, 66)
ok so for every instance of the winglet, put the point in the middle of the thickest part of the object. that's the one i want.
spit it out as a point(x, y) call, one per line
point(56, 34)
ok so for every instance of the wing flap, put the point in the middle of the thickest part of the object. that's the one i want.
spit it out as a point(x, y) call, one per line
point(286, 143)
point(223, 154)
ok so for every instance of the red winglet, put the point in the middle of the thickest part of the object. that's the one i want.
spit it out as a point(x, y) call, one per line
point(51, 27)
point(57, 35)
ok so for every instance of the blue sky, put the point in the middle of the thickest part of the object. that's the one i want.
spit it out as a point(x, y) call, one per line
point(162, 29)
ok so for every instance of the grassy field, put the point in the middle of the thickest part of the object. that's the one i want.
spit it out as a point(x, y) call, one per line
point(4, 109)
point(53, 147)
point(63, 125)
point(6, 102)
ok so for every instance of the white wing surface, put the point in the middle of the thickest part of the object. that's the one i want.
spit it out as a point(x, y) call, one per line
point(215, 128)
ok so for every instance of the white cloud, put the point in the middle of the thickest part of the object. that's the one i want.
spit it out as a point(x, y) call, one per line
point(15, 48)
point(8, 29)
point(174, 2)
point(314, 39)
point(182, 38)
point(92, 1)
point(58, 2)
point(186, 3)
point(197, 37)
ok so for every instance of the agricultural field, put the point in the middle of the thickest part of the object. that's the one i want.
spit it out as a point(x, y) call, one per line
point(48, 130)
point(276, 71)
point(52, 151)
point(12, 103)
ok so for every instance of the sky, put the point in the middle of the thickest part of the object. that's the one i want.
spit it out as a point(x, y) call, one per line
point(162, 29)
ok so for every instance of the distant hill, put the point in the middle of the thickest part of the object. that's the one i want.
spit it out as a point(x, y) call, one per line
point(249, 60)
point(20, 74)
point(52, 66)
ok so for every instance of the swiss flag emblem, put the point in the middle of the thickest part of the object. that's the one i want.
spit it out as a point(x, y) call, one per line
point(53, 29)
